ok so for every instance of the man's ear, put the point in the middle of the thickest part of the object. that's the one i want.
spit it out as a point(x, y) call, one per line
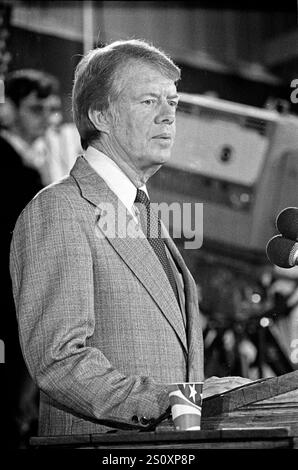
point(99, 120)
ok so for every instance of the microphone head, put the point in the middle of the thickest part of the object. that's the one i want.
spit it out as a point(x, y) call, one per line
point(287, 222)
point(282, 251)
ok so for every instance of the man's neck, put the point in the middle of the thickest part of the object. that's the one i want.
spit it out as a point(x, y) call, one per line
point(137, 177)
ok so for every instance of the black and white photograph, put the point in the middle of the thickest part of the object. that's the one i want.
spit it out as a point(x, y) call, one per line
point(149, 196)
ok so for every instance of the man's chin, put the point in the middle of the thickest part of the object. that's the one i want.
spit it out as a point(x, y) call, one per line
point(163, 157)
point(159, 162)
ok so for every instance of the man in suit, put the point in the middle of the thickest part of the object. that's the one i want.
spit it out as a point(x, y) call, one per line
point(108, 317)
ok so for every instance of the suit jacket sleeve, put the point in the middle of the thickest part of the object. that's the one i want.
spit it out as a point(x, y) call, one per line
point(51, 270)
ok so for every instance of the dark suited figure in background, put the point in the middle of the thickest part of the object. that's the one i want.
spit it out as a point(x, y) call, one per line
point(24, 117)
point(106, 320)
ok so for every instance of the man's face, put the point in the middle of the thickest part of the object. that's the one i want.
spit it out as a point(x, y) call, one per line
point(33, 116)
point(144, 128)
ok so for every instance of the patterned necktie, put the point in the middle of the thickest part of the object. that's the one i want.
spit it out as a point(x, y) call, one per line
point(151, 227)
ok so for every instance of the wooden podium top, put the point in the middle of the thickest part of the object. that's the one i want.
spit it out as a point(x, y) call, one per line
point(261, 414)
point(270, 402)
point(257, 391)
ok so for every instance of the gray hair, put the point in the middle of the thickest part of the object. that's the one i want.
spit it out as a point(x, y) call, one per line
point(97, 83)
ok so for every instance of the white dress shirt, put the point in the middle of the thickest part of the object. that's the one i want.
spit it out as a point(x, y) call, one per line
point(114, 177)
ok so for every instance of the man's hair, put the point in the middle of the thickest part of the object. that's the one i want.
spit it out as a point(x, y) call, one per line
point(97, 83)
point(20, 83)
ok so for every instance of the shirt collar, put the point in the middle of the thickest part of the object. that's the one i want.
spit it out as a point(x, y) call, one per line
point(114, 177)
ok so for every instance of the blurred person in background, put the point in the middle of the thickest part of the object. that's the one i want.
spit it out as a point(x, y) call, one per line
point(284, 291)
point(59, 147)
point(24, 117)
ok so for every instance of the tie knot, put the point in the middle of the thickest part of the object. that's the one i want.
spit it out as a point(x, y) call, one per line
point(142, 198)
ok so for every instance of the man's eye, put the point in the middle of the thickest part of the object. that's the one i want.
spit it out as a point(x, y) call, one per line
point(149, 101)
point(174, 104)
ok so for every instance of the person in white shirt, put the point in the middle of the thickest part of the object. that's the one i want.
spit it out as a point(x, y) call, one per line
point(56, 151)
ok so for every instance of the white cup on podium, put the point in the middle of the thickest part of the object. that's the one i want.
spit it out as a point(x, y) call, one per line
point(186, 405)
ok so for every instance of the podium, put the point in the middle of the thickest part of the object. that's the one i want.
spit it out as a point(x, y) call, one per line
point(266, 402)
point(259, 415)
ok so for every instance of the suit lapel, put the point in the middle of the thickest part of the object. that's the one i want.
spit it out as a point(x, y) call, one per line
point(135, 250)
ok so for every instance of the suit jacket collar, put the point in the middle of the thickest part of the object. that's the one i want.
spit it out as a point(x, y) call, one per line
point(136, 252)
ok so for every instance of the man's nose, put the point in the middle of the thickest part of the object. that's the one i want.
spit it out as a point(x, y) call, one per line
point(166, 114)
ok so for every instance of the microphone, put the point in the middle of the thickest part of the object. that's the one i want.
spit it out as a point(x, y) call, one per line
point(287, 222)
point(282, 251)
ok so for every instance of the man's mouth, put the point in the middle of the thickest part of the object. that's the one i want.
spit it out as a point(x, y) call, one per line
point(163, 136)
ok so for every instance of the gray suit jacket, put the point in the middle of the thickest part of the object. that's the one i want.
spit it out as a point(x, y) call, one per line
point(100, 328)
